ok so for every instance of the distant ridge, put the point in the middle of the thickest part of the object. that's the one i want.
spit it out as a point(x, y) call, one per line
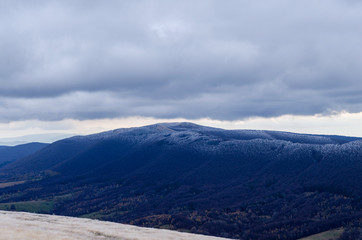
point(10, 154)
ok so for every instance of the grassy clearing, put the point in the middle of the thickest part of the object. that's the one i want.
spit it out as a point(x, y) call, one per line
point(100, 215)
point(328, 235)
point(93, 215)
point(9, 184)
point(30, 206)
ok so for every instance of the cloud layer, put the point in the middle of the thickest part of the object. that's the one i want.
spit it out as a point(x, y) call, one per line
point(224, 60)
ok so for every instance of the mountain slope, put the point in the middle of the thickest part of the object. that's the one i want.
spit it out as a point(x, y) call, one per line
point(233, 183)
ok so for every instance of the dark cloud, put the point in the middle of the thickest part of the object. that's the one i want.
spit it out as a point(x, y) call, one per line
point(224, 60)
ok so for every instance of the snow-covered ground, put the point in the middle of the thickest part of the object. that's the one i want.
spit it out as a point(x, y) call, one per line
point(29, 226)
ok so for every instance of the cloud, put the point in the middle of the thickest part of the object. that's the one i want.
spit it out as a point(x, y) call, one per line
point(223, 60)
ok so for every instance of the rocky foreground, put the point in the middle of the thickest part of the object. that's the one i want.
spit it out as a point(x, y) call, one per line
point(29, 226)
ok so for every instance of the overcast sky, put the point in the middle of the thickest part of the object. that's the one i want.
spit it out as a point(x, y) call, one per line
point(219, 60)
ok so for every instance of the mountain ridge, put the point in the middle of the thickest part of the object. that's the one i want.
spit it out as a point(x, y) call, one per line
point(188, 125)
point(193, 133)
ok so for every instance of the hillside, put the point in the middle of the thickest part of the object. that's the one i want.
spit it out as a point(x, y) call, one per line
point(29, 226)
point(9, 154)
point(247, 184)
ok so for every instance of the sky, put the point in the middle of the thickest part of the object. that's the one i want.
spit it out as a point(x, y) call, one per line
point(78, 67)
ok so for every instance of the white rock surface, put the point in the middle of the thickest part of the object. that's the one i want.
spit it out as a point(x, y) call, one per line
point(29, 226)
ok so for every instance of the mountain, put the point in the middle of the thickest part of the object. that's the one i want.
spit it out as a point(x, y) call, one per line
point(10, 154)
point(30, 226)
point(247, 184)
